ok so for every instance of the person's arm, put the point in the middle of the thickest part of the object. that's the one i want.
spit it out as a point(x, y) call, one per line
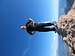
point(31, 32)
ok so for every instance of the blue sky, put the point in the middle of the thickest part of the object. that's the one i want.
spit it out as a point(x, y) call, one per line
point(16, 42)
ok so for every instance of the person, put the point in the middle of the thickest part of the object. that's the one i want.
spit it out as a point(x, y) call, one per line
point(32, 26)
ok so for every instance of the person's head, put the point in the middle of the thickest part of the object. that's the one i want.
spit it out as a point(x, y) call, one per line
point(23, 27)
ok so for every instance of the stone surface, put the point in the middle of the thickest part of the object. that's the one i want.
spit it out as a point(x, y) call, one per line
point(66, 28)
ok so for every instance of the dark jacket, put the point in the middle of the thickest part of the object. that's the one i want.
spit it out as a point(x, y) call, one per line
point(30, 27)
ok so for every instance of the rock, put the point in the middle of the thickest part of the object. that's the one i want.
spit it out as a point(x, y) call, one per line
point(66, 27)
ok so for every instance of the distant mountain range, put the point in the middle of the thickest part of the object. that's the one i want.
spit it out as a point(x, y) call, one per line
point(69, 5)
point(64, 6)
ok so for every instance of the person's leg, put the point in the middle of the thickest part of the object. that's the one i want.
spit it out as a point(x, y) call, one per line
point(45, 24)
point(46, 29)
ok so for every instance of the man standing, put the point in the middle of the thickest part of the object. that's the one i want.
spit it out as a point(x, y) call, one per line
point(32, 26)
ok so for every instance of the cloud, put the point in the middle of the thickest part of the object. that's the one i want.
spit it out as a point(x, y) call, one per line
point(54, 45)
point(25, 51)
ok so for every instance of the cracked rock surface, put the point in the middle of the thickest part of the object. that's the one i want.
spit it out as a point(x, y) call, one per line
point(66, 26)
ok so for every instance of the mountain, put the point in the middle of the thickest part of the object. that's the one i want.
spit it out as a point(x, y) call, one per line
point(67, 25)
